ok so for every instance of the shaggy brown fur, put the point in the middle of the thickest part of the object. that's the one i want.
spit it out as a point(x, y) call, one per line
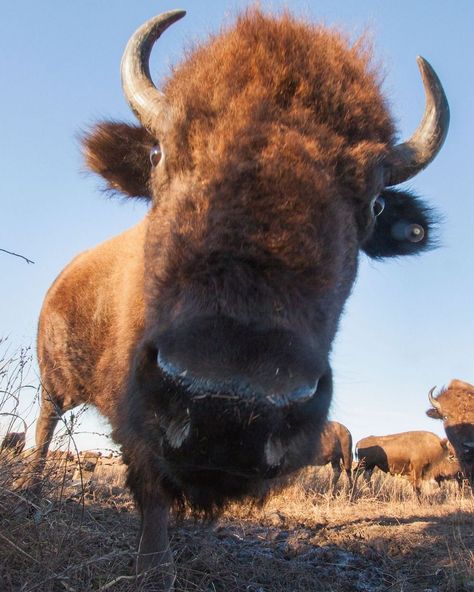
point(414, 454)
point(457, 413)
point(182, 330)
point(126, 148)
point(263, 83)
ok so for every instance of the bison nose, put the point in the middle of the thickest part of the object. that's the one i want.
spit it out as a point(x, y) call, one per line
point(222, 358)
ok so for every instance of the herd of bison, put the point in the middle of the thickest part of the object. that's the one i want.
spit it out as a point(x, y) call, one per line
point(418, 455)
point(270, 162)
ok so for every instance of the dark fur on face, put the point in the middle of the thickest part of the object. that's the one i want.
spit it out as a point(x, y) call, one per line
point(223, 458)
point(401, 207)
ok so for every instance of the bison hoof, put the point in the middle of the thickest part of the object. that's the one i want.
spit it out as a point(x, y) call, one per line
point(157, 571)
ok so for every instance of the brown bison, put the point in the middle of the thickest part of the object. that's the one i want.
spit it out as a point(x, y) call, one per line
point(455, 406)
point(14, 442)
point(413, 454)
point(203, 333)
point(335, 447)
point(85, 466)
point(60, 456)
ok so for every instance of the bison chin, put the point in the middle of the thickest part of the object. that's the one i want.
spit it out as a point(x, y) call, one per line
point(214, 449)
point(205, 493)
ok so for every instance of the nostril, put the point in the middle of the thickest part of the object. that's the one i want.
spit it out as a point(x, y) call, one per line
point(298, 395)
point(281, 394)
point(304, 393)
point(168, 368)
point(207, 357)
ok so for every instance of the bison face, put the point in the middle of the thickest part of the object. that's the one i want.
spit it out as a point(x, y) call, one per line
point(267, 175)
point(455, 407)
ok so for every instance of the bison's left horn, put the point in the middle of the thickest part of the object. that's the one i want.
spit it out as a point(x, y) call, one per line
point(410, 157)
point(145, 100)
point(434, 401)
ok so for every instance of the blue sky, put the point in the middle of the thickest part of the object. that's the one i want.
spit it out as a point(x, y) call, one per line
point(408, 324)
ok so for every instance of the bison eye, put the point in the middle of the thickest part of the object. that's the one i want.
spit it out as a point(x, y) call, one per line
point(155, 155)
point(378, 206)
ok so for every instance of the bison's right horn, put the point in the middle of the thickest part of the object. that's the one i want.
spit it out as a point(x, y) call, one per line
point(434, 401)
point(410, 157)
point(145, 100)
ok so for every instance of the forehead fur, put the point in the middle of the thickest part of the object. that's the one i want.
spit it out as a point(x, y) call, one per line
point(266, 69)
point(457, 384)
point(458, 398)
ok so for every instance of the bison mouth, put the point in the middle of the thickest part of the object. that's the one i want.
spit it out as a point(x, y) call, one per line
point(218, 448)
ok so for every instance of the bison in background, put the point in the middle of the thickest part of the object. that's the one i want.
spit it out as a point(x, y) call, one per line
point(448, 469)
point(335, 447)
point(413, 454)
point(454, 405)
point(203, 333)
point(85, 467)
point(14, 442)
point(65, 456)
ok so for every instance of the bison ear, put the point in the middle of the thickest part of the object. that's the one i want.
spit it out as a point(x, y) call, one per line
point(120, 154)
point(433, 413)
point(404, 227)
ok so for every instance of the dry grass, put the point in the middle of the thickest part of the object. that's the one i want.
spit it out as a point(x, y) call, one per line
point(82, 539)
point(301, 540)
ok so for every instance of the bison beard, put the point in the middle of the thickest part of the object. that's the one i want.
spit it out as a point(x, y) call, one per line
point(204, 333)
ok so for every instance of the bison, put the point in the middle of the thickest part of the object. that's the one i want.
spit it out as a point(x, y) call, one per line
point(85, 467)
point(61, 456)
point(268, 159)
point(455, 406)
point(335, 447)
point(14, 442)
point(413, 454)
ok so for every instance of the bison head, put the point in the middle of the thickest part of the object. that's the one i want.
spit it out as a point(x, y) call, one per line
point(455, 406)
point(267, 159)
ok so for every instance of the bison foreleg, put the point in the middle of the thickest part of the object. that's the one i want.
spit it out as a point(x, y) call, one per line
point(50, 412)
point(349, 477)
point(336, 473)
point(154, 552)
point(416, 479)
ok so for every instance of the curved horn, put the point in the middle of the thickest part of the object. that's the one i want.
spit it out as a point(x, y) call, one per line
point(145, 100)
point(410, 157)
point(434, 401)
